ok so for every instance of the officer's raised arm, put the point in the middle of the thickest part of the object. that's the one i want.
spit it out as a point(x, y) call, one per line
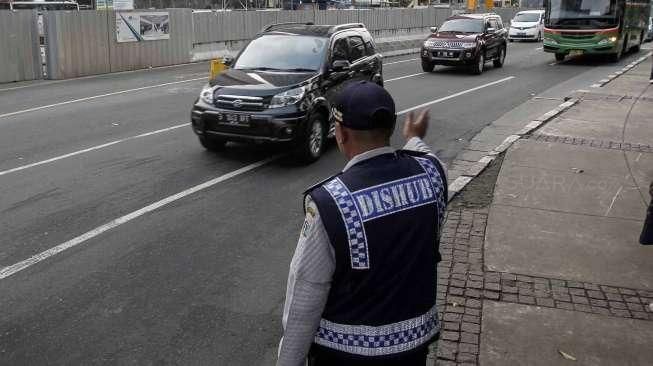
point(414, 130)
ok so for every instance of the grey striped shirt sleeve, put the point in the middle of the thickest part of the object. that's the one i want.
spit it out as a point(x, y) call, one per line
point(309, 281)
point(416, 144)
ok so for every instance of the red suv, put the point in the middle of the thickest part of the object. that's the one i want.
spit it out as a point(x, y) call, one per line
point(466, 40)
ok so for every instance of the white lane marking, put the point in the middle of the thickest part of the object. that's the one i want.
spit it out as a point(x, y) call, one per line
point(78, 152)
point(405, 77)
point(93, 148)
point(108, 76)
point(98, 96)
point(539, 49)
point(455, 95)
point(15, 268)
point(399, 62)
point(613, 200)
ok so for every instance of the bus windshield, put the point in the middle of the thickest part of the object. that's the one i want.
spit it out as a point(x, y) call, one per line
point(580, 14)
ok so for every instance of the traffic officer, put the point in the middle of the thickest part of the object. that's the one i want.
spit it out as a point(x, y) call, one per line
point(362, 282)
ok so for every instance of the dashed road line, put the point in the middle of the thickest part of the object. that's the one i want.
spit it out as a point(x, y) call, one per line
point(405, 77)
point(427, 104)
point(22, 265)
point(400, 62)
point(93, 148)
point(97, 97)
point(171, 128)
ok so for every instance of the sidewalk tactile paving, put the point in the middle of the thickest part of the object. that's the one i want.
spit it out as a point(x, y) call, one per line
point(465, 290)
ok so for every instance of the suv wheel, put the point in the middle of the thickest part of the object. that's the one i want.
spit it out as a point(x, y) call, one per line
point(498, 62)
point(427, 66)
point(560, 57)
point(480, 63)
point(311, 146)
point(212, 143)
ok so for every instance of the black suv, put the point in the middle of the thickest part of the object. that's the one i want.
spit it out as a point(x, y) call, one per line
point(466, 39)
point(279, 87)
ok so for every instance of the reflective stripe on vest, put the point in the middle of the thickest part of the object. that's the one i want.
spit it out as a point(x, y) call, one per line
point(381, 200)
point(380, 340)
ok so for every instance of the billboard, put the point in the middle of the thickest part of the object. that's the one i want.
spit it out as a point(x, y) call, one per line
point(142, 26)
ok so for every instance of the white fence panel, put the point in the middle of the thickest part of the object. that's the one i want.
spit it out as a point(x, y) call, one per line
point(19, 47)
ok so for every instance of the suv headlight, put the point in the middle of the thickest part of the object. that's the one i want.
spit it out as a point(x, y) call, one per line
point(469, 45)
point(207, 94)
point(287, 98)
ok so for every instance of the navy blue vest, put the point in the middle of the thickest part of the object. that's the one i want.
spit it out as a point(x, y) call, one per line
point(383, 218)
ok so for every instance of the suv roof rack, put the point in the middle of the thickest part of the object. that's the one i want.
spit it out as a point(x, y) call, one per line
point(340, 27)
point(270, 27)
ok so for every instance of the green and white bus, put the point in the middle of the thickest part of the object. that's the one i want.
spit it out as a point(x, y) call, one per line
point(608, 27)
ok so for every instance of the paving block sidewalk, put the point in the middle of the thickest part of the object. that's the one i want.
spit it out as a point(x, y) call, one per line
point(544, 267)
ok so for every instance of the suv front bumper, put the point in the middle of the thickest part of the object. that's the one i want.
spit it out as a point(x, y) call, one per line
point(260, 126)
point(529, 33)
point(449, 57)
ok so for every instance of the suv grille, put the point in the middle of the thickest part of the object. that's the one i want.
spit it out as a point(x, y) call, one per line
point(239, 103)
point(446, 44)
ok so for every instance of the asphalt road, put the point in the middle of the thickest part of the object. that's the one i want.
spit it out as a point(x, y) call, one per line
point(198, 279)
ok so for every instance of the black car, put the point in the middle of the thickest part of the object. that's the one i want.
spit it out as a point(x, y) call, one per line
point(466, 40)
point(280, 86)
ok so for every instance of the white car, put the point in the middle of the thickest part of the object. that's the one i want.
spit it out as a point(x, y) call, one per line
point(527, 25)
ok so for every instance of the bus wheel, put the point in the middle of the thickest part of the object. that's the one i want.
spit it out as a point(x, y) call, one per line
point(560, 57)
point(615, 57)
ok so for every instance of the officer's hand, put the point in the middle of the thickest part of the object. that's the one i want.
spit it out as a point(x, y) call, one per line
point(416, 127)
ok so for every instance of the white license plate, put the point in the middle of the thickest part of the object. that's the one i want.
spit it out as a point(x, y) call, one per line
point(234, 119)
point(576, 52)
point(521, 33)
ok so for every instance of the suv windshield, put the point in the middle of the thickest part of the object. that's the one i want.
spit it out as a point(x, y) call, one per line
point(462, 26)
point(583, 13)
point(283, 53)
point(527, 17)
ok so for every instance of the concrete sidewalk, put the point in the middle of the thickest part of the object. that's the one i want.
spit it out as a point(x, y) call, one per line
point(544, 267)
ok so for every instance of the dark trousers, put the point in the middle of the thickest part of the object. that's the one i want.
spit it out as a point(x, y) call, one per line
point(322, 357)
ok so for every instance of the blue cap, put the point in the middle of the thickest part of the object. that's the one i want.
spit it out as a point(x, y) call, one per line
point(364, 105)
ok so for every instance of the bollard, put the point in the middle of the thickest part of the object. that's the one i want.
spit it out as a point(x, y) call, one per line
point(217, 66)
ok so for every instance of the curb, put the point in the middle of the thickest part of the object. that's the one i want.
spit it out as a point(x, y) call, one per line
point(625, 69)
point(475, 170)
point(408, 51)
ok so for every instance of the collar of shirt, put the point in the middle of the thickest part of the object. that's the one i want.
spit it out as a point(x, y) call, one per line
point(369, 155)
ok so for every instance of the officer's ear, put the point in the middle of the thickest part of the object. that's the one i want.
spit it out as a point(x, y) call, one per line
point(341, 134)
